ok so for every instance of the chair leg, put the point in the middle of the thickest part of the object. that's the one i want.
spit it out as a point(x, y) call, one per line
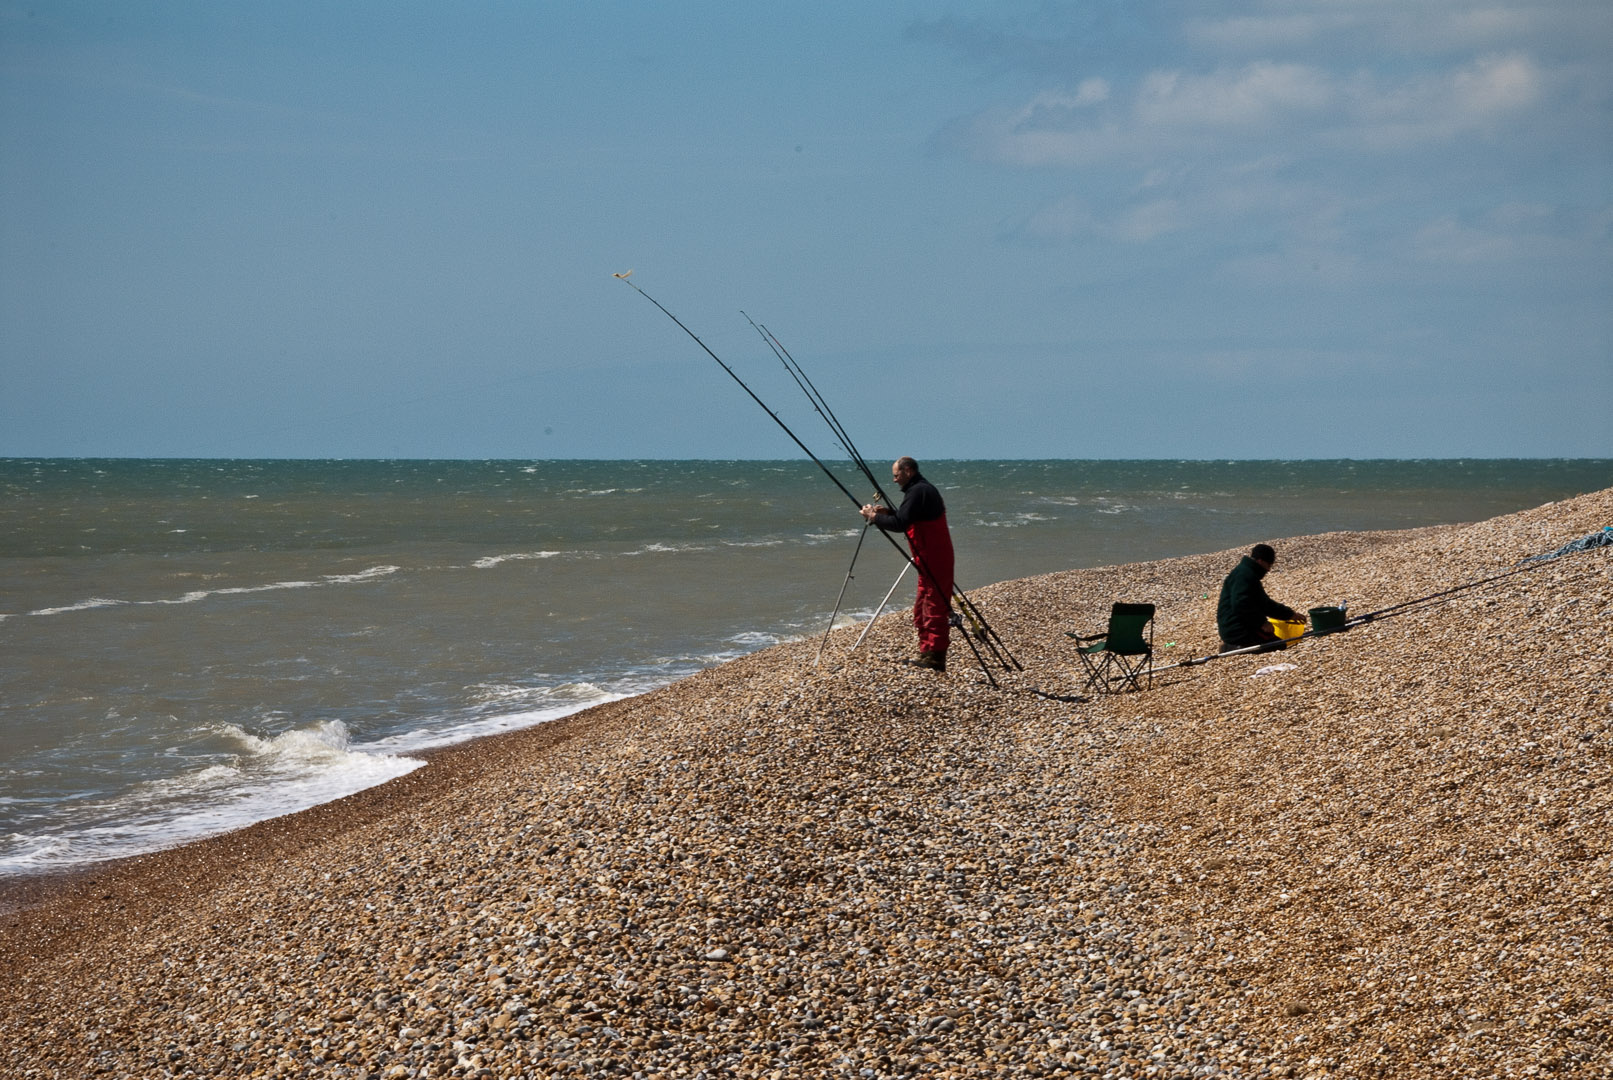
point(1094, 671)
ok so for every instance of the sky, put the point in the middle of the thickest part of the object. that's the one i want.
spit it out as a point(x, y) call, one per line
point(1106, 229)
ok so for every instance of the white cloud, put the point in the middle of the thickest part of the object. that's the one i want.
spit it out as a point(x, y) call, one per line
point(1146, 221)
point(1258, 94)
point(1448, 241)
point(1071, 217)
point(1178, 111)
point(1396, 25)
point(1479, 95)
point(1510, 233)
point(1495, 85)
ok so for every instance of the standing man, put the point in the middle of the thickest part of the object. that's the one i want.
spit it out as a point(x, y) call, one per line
point(1243, 608)
point(923, 516)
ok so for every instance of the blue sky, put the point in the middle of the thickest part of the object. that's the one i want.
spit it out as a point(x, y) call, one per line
point(1316, 228)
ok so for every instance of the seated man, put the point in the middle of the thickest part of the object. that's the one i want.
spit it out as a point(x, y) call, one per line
point(1244, 607)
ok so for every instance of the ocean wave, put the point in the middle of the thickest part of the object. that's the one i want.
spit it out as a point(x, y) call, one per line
point(670, 549)
point(514, 708)
point(268, 776)
point(198, 595)
point(82, 605)
point(1012, 521)
point(490, 561)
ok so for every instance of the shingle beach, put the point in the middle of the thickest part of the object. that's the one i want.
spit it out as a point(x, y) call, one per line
point(1389, 859)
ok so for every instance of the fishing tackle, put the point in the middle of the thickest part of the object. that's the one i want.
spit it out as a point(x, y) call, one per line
point(836, 612)
point(819, 404)
point(1010, 662)
point(982, 630)
point(804, 449)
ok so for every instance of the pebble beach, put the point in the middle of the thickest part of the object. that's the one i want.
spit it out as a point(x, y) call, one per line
point(1381, 853)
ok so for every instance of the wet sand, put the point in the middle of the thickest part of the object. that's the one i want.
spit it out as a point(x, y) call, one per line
point(1390, 859)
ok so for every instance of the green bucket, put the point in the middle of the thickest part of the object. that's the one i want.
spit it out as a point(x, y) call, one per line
point(1325, 620)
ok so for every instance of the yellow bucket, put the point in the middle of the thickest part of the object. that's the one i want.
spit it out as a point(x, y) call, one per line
point(1287, 629)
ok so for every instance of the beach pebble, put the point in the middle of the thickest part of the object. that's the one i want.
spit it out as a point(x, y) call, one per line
point(1392, 861)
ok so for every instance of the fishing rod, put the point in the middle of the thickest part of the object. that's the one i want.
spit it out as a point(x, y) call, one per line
point(1392, 611)
point(808, 388)
point(742, 386)
point(821, 405)
point(624, 277)
point(977, 619)
point(841, 436)
point(1397, 608)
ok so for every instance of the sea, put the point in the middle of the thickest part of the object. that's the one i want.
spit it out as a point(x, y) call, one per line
point(190, 646)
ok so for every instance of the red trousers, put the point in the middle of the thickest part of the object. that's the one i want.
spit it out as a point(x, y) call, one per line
point(931, 545)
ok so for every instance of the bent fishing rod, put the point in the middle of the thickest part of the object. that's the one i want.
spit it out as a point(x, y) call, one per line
point(731, 374)
point(625, 277)
point(844, 439)
point(821, 406)
point(981, 629)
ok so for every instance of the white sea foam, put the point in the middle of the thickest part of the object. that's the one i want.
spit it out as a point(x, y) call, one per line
point(372, 574)
point(669, 549)
point(198, 595)
point(490, 561)
point(82, 605)
point(542, 704)
point(1013, 521)
point(271, 776)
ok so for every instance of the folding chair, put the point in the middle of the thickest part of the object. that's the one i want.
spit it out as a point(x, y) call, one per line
point(1122, 655)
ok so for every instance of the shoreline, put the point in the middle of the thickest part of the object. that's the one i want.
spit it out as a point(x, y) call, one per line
point(19, 892)
point(118, 891)
point(1389, 860)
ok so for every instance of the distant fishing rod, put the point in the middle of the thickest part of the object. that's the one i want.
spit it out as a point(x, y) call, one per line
point(1394, 609)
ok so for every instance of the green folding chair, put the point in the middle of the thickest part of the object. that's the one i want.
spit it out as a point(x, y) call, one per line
point(1123, 655)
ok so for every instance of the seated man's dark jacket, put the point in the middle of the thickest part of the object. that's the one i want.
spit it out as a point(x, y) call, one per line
point(1244, 607)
